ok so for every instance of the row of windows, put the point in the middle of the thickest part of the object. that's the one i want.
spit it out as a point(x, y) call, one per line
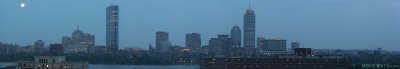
point(256, 66)
point(279, 59)
point(46, 61)
point(42, 60)
point(274, 63)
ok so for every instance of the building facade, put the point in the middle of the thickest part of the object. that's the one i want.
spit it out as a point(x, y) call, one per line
point(162, 41)
point(220, 46)
point(279, 62)
point(294, 45)
point(39, 47)
point(78, 37)
point(274, 45)
point(260, 43)
point(193, 41)
point(78, 41)
point(50, 62)
point(112, 28)
point(236, 35)
point(249, 32)
point(56, 49)
point(75, 49)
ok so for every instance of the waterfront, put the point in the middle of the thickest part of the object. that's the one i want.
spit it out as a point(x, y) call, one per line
point(103, 66)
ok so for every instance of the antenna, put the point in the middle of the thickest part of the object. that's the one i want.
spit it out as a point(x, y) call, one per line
point(249, 5)
point(78, 27)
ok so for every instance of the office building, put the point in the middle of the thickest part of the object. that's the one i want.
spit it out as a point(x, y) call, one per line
point(56, 49)
point(260, 43)
point(302, 51)
point(249, 28)
point(112, 28)
point(220, 46)
point(162, 41)
point(249, 32)
point(295, 44)
point(274, 45)
point(193, 41)
point(236, 36)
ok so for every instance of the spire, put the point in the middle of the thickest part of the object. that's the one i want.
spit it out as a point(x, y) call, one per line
point(249, 5)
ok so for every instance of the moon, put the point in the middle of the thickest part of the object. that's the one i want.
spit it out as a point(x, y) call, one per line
point(22, 5)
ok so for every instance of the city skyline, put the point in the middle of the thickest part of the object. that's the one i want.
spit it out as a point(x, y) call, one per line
point(323, 38)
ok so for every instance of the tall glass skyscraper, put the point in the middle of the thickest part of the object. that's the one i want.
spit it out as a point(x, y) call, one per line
point(112, 21)
point(249, 29)
point(249, 33)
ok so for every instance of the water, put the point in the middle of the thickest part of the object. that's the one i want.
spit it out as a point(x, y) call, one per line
point(5, 64)
point(103, 66)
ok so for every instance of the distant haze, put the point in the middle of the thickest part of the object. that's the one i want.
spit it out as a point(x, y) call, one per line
point(321, 24)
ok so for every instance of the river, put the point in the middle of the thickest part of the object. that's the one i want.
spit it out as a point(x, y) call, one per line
point(103, 66)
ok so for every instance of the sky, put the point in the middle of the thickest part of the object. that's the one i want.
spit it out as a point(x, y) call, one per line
point(319, 24)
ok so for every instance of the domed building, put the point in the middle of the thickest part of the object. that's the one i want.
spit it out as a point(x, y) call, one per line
point(79, 42)
point(79, 38)
point(39, 43)
point(39, 46)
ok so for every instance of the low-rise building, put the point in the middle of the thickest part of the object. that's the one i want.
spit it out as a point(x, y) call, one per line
point(278, 62)
point(49, 62)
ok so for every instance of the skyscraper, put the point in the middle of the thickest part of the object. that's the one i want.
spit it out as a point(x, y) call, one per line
point(162, 41)
point(236, 36)
point(295, 44)
point(249, 28)
point(249, 32)
point(193, 41)
point(224, 44)
point(112, 20)
point(220, 46)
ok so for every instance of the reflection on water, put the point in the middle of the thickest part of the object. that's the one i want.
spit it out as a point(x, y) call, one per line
point(101, 66)
point(4, 64)
point(98, 66)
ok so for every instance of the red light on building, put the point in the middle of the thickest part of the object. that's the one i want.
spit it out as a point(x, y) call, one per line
point(278, 39)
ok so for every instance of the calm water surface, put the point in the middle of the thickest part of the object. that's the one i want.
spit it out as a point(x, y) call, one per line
point(102, 66)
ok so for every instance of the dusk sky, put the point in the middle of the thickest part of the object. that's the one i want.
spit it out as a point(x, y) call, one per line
point(320, 24)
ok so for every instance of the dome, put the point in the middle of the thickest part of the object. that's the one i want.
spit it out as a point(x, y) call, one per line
point(77, 32)
point(39, 43)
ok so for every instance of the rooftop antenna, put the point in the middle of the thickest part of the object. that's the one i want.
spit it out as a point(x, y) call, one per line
point(249, 5)
point(78, 27)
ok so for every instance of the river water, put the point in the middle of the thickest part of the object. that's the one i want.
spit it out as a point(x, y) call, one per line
point(103, 66)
